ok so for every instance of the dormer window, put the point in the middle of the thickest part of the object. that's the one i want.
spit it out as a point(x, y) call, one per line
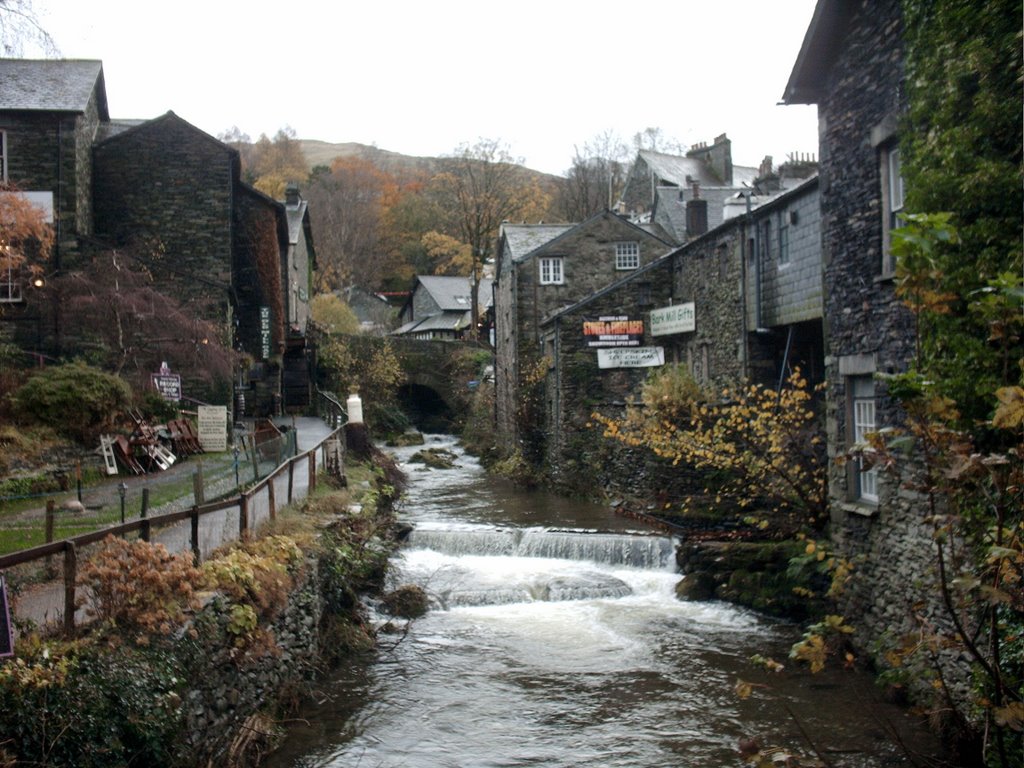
point(627, 255)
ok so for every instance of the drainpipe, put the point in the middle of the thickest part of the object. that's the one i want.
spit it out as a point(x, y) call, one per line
point(57, 330)
point(557, 348)
point(757, 267)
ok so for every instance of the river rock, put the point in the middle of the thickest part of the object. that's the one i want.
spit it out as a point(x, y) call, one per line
point(698, 587)
point(408, 602)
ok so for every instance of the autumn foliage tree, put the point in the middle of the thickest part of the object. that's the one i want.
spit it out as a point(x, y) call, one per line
point(350, 201)
point(762, 446)
point(25, 238)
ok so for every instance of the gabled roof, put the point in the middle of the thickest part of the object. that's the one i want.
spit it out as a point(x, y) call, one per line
point(818, 51)
point(522, 239)
point(52, 85)
point(131, 127)
point(454, 294)
point(556, 232)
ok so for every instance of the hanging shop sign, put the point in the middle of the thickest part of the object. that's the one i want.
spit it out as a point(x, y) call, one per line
point(613, 331)
point(167, 384)
point(679, 318)
point(631, 357)
point(265, 332)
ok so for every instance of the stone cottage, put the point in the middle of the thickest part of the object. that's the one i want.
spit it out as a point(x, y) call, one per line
point(540, 270)
point(441, 307)
point(170, 197)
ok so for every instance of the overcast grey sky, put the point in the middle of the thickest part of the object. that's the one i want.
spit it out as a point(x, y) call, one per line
point(422, 78)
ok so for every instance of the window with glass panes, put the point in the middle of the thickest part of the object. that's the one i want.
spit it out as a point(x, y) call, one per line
point(863, 406)
point(627, 255)
point(551, 271)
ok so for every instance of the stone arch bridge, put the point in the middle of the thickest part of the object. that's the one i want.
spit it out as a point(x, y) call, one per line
point(438, 376)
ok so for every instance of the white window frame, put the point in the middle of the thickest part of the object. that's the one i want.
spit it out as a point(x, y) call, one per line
point(892, 201)
point(863, 417)
point(552, 270)
point(627, 255)
point(10, 283)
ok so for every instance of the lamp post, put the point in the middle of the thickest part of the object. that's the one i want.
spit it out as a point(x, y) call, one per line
point(122, 491)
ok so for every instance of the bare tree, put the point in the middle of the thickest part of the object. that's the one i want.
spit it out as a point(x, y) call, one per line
point(123, 314)
point(20, 27)
point(596, 177)
point(483, 185)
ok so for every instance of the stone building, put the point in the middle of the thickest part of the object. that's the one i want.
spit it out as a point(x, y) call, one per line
point(540, 270)
point(170, 197)
point(742, 302)
point(660, 185)
point(441, 307)
point(850, 65)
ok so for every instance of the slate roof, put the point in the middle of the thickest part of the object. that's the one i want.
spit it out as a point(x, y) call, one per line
point(453, 293)
point(52, 85)
point(523, 239)
point(682, 171)
point(818, 51)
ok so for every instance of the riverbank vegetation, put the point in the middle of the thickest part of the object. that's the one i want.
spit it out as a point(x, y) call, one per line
point(159, 676)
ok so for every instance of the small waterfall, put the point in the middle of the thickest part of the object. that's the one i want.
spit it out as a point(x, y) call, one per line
point(631, 550)
point(472, 566)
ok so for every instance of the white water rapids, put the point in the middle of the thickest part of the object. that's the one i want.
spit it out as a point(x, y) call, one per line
point(556, 639)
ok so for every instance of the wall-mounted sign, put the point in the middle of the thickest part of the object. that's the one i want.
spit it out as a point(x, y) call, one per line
point(679, 318)
point(634, 357)
point(213, 427)
point(167, 384)
point(614, 331)
point(265, 332)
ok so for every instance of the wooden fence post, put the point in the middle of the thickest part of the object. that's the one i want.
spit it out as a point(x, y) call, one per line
point(198, 490)
point(194, 520)
point(311, 458)
point(243, 515)
point(291, 477)
point(70, 575)
point(272, 501)
point(144, 514)
point(49, 535)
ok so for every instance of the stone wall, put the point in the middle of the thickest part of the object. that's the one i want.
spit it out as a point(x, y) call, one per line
point(869, 332)
point(168, 187)
point(791, 288)
point(229, 686)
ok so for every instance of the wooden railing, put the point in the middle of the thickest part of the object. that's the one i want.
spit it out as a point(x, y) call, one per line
point(69, 548)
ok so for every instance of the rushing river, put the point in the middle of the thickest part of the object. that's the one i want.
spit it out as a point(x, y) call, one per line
point(556, 640)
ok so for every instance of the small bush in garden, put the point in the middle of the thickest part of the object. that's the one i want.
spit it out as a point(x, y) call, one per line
point(78, 704)
point(140, 587)
point(76, 400)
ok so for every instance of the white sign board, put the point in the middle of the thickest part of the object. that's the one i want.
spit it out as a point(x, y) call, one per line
point(213, 427)
point(631, 357)
point(679, 318)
